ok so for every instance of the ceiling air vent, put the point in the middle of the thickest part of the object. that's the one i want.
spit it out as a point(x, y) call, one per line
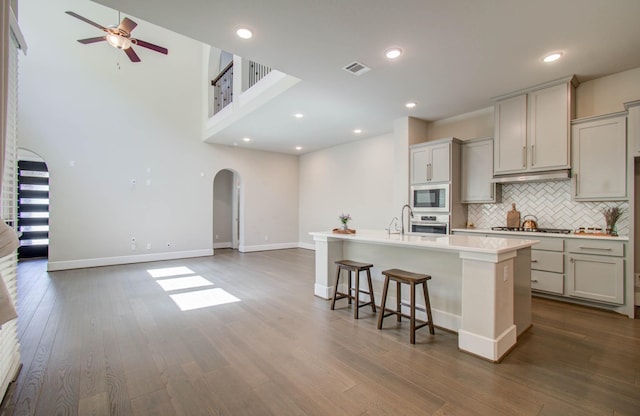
point(356, 68)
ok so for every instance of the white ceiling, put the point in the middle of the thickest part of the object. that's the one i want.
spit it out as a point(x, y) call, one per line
point(457, 55)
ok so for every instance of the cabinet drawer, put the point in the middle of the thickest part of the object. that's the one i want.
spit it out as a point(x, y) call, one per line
point(598, 247)
point(547, 282)
point(550, 261)
point(549, 244)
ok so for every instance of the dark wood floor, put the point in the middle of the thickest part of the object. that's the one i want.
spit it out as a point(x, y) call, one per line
point(111, 341)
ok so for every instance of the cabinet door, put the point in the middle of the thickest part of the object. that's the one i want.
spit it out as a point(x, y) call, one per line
point(548, 124)
point(419, 165)
point(599, 159)
point(598, 278)
point(439, 163)
point(510, 118)
point(477, 172)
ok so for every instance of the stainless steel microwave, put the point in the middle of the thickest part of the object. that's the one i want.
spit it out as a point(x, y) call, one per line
point(430, 198)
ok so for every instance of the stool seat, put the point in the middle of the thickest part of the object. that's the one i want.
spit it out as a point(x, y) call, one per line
point(412, 279)
point(353, 293)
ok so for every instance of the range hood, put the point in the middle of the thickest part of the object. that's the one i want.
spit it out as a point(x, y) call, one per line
point(556, 175)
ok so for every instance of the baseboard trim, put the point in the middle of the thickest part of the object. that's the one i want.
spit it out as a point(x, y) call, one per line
point(113, 261)
point(222, 245)
point(267, 247)
point(307, 246)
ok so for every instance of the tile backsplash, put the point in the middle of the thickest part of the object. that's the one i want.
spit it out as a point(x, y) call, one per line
point(551, 203)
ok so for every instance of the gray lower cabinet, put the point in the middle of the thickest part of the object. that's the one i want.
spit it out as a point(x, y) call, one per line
point(547, 266)
point(596, 271)
point(576, 268)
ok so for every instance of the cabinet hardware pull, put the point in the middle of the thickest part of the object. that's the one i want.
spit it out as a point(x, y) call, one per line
point(575, 187)
point(534, 261)
point(533, 155)
point(524, 156)
point(534, 281)
point(595, 248)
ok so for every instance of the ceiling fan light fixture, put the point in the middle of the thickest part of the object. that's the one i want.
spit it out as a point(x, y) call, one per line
point(118, 41)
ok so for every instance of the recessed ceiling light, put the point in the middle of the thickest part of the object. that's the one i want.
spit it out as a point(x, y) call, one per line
point(357, 131)
point(393, 53)
point(298, 147)
point(410, 104)
point(244, 32)
point(552, 57)
point(298, 115)
point(246, 139)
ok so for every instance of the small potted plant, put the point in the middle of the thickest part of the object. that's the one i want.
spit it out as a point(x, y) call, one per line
point(344, 219)
point(611, 216)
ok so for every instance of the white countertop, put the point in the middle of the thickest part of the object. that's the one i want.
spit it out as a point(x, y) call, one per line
point(457, 243)
point(518, 234)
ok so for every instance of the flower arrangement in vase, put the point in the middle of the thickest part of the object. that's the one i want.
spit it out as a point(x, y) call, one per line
point(344, 219)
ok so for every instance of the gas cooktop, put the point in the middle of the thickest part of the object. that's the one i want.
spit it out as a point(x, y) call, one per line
point(537, 230)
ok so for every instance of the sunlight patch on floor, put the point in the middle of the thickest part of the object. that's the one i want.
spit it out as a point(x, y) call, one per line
point(169, 272)
point(172, 279)
point(203, 298)
point(178, 283)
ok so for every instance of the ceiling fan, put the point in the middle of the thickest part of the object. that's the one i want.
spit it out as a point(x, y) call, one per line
point(119, 37)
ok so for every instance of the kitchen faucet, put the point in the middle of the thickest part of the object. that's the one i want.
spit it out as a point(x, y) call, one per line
point(402, 216)
point(393, 220)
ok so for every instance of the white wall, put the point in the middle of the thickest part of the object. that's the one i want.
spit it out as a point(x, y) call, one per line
point(355, 178)
point(100, 121)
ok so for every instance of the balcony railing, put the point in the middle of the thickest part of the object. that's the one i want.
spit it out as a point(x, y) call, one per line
point(257, 72)
point(223, 88)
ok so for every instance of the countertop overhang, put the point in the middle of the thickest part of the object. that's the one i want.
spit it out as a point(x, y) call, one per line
point(456, 243)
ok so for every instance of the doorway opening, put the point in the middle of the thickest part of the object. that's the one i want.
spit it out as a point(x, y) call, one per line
point(33, 206)
point(226, 210)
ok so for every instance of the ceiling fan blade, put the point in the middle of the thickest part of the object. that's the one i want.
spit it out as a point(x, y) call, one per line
point(92, 40)
point(150, 46)
point(127, 25)
point(132, 55)
point(84, 19)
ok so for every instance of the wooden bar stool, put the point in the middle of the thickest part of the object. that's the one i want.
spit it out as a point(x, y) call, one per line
point(354, 292)
point(412, 279)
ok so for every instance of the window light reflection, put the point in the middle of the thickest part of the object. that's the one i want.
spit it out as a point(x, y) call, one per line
point(178, 283)
point(169, 272)
point(203, 298)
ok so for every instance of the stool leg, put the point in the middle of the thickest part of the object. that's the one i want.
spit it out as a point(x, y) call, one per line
point(427, 306)
point(335, 289)
point(398, 301)
point(373, 301)
point(356, 294)
point(349, 291)
point(412, 337)
point(383, 302)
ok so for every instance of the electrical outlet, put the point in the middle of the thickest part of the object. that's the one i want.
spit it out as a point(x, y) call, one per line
point(266, 238)
point(148, 246)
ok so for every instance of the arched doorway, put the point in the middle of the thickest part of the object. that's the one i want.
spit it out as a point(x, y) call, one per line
point(226, 209)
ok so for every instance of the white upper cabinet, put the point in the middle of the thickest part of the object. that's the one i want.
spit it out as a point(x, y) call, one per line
point(477, 171)
point(599, 158)
point(431, 163)
point(532, 129)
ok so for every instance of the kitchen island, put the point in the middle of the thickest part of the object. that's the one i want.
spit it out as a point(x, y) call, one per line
point(480, 286)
